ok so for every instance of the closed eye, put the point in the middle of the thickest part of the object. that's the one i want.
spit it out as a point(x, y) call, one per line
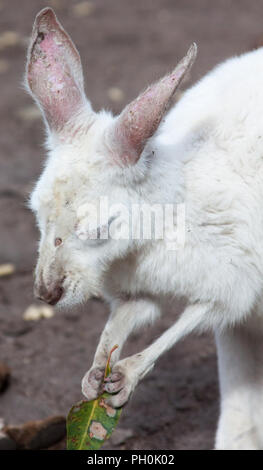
point(104, 229)
point(98, 235)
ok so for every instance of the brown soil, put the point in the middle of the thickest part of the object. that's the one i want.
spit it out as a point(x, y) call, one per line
point(124, 44)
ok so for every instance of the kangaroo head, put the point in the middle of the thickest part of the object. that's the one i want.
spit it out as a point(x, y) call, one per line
point(93, 158)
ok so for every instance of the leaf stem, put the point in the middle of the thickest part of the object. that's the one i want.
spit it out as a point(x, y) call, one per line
point(107, 368)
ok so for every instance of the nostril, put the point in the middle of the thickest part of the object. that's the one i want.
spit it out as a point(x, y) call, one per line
point(55, 295)
point(51, 295)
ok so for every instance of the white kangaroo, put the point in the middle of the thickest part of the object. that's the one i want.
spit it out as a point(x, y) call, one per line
point(207, 156)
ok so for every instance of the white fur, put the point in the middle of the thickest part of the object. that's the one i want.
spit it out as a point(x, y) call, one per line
point(208, 154)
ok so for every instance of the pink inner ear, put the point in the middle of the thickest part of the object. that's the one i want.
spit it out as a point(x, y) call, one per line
point(52, 82)
point(141, 118)
point(143, 115)
point(47, 64)
point(54, 71)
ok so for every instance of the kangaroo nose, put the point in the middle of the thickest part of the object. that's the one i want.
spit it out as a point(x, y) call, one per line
point(50, 295)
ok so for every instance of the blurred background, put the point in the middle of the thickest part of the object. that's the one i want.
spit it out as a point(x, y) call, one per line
point(124, 46)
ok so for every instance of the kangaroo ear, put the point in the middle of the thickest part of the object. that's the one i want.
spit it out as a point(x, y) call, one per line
point(54, 72)
point(141, 118)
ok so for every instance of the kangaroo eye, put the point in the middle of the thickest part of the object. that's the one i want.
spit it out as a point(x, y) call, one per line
point(58, 241)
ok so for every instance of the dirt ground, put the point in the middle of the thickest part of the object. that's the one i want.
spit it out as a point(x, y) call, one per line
point(125, 45)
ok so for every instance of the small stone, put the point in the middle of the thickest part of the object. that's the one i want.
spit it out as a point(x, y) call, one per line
point(5, 375)
point(8, 39)
point(28, 113)
point(56, 4)
point(7, 269)
point(115, 94)
point(35, 435)
point(83, 9)
point(36, 312)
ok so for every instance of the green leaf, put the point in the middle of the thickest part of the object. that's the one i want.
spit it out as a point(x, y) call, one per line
point(90, 423)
